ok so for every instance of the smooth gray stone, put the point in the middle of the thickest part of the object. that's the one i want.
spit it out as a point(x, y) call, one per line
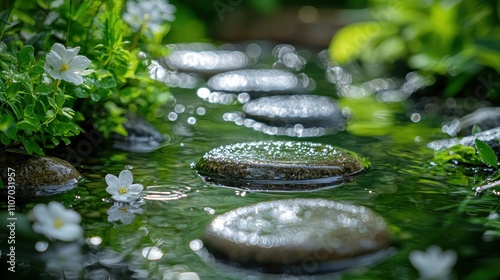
point(256, 80)
point(307, 110)
point(488, 136)
point(299, 236)
point(206, 61)
point(280, 166)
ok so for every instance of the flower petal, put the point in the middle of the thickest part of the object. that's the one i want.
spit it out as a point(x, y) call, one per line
point(112, 180)
point(121, 198)
point(126, 178)
point(71, 53)
point(113, 190)
point(41, 213)
point(135, 188)
point(80, 62)
point(68, 232)
point(71, 77)
point(59, 49)
point(70, 216)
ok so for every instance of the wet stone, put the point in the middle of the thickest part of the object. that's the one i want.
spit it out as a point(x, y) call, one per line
point(299, 236)
point(280, 166)
point(142, 136)
point(301, 112)
point(37, 175)
point(206, 62)
point(489, 136)
point(258, 81)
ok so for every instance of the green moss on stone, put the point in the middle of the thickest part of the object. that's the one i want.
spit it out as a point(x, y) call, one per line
point(280, 165)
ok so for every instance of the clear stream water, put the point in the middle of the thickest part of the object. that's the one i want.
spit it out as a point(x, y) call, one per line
point(423, 204)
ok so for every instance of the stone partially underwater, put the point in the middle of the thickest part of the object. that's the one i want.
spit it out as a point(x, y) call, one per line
point(299, 236)
point(36, 175)
point(280, 166)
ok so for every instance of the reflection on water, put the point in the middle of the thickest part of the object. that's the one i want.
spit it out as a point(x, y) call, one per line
point(418, 201)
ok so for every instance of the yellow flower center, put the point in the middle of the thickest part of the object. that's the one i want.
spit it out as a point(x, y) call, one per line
point(64, 67)
point(122, 190)
point(123, 210)
point(58, 223)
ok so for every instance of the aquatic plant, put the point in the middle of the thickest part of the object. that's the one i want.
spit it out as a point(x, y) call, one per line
point(56, 222)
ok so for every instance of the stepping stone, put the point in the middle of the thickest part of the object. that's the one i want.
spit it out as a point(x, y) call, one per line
point(280, 166)
point(290, 110)
point(206, 61)
point(299, 236)
point(258, 80)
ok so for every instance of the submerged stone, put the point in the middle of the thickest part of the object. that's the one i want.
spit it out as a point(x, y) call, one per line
point(299, 236)
point(258, 80)
point(35, 175)
point(142, 136)
point(280, 166)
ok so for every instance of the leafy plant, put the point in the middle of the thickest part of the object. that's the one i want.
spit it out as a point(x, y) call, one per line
point(40, 113)
point(454, 39)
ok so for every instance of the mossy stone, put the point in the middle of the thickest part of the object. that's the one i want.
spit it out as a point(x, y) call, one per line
point(299, 236)
point(280, 166)
point(37, 175)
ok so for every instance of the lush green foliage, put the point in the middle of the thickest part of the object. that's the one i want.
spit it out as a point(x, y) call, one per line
point(39, 112)
point(456, 39)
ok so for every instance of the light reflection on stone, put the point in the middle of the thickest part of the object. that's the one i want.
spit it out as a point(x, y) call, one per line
point(271, 233)
point(257, 80)
point(173, 78)
point(296, 115)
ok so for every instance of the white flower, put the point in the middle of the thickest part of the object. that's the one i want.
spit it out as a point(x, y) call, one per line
point(65, 64)
point(434, 263)
point(123, 212)
point(121, 188)
point(57, 222)
point(152, 14)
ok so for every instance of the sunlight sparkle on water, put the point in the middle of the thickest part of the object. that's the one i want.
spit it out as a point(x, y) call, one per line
point(152, 253)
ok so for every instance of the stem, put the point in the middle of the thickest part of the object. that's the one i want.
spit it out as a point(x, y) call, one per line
point(56, 83)
point(490, 185)
point(6, 19)
point(69, 20)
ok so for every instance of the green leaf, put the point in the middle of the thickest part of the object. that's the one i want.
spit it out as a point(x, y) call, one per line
point(44, 89)
point(49, 114)
point(37, 70)
point(476, 129)
point(4, 139)
point(95, 97)
point(26, 125)
point(17, 111)
point(26, 56)
point(486, 153)
point(107, 82)
point(60, 98)
point(351, 40)
point(31, 146)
